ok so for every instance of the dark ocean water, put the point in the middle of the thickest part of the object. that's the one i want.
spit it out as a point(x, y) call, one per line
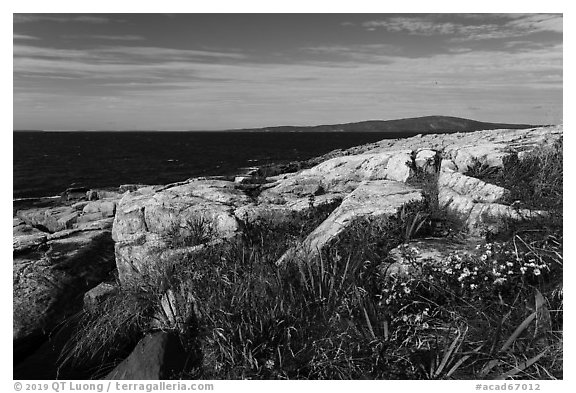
point(46, 163)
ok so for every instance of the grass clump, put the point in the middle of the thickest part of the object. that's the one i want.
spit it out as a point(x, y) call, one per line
point(193, 231)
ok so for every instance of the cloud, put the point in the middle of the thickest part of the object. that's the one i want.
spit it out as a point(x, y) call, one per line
point(24, 37)
point(173, 70)
point(411, 25)
point(382, 53)
point(536, 22)
point(126, 37)
point(157, 53)
point(485, 26)
point(67, 18)
point(117, 55)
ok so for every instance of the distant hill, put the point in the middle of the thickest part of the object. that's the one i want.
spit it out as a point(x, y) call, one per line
point(426, 124)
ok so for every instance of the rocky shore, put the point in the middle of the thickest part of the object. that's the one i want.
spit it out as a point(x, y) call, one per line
point(70, 253)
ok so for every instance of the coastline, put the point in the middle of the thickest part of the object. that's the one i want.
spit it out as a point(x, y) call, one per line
point(109, 239)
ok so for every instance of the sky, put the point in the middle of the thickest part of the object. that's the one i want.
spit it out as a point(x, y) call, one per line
point(225, 71)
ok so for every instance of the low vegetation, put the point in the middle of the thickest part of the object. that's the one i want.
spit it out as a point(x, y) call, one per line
point(496, 313)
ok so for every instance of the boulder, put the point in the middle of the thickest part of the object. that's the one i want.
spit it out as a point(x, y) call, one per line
point(130, 187)
point(407, 259)
point(249, 175)
point(476, 189)
point(86, 218)
point(378, 199)
point(148, 225)
point(48, 284)
point(93, 195)
point(427, 160)
point(399, 167)
point(490, 154)
point(243, 179)
point(484, 217)
point(105, 206)
point(97, 295)
point(158, 356)
point(341, 175)
point(52, 219)
point(278, 214)
point(80, 205)
point(95, 224)
point(73, 193)
point(25, 237)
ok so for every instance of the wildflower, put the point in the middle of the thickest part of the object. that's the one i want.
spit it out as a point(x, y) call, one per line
point(523, 269)
point(489, 253)
point(473, 286)
point(536, 272)
point(499, 281)
point(406, 290)
point(509, 264)
point(448, 271)
point(269, 364)
point(483, 258)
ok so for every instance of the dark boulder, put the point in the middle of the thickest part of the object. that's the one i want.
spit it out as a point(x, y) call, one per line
point(49, 283)
point(159, 355)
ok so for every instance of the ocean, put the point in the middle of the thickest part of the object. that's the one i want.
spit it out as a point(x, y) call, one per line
point(46, 163)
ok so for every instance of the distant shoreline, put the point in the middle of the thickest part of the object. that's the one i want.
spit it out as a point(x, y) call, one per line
point(425, 124)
